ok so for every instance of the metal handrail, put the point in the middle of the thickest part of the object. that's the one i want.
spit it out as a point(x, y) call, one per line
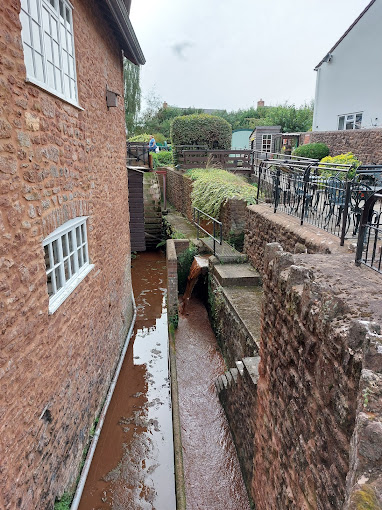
point(365, 236)
point(196, 214)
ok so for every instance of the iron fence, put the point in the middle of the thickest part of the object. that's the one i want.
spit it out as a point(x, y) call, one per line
point(329, 197)
point(369, 245)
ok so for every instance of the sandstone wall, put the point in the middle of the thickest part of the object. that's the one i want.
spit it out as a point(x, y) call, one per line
point(58, 162)
point(232, 335)
point(318, 408)
point(263, 226)
point(365, 144)
point(179, 190)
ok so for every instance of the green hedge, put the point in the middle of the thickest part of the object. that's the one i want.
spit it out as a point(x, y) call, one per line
point(201, 129)
point(162, 158)
point(312, 150)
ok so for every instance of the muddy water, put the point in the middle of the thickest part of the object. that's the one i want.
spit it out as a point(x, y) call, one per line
point(132, 468)
point(212, 472)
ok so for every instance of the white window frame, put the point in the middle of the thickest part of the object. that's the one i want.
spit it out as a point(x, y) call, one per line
point(48, 43)
point(66, 260)
point(349, 119)
point(266, 140)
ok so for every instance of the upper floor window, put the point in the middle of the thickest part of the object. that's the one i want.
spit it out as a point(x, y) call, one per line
point(47, 34)
point(266, 143)
point(350, 121)
point(66, 260)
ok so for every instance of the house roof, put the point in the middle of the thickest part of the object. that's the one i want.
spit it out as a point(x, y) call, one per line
point(117, 13)
point(345, 34)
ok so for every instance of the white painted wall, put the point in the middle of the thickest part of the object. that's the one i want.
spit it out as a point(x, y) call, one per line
point(352, 81)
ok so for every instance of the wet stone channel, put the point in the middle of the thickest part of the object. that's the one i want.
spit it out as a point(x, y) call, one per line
point(133, 467)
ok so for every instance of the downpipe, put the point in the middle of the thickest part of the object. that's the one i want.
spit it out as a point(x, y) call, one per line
point(93, 445)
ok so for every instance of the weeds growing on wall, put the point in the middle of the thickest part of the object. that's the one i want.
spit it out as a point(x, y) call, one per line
point(212, 187)
point(184, 264)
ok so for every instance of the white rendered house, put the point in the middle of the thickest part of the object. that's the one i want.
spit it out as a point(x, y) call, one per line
point(349, 77)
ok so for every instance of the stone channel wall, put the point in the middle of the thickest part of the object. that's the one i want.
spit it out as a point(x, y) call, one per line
point(58, 162)
point(264, 226)
point(307, 391)
point(232, 335)
point(312, 417)
point(365, 144)
point(173, 248)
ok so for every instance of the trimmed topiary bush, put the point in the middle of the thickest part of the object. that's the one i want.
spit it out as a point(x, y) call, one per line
point(312, 150)
point(201, 129)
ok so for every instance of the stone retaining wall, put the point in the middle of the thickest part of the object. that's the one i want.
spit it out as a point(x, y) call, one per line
point(233, 337)
point(365, 144)
point(179, 189)
point(237, 390)
point(264, 226)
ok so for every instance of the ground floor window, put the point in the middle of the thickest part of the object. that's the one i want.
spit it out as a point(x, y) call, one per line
point(66, 260)
point(266, 143)
point(350, 121)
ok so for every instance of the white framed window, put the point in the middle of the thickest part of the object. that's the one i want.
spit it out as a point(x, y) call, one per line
point(266, 143)
point(66, 260)
point(350, 121)
point(47, 34)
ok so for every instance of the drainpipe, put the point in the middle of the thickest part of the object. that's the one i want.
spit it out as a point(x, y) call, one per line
point(93, 445)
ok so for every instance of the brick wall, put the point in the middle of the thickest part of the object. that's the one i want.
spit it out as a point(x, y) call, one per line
point(58, 162)
point(366, 144)
point(232, 215)
point(179, 189)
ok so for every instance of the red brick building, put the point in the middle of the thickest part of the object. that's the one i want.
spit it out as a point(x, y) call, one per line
point(65, 286)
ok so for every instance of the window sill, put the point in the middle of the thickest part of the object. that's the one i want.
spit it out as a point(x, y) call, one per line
point(53, 92)
point(56, 301)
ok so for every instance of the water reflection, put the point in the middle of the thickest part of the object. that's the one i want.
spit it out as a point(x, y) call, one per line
point(133, 463)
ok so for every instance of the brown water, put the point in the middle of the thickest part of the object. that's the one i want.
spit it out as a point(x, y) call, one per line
point(133, 466)
point(212, 472)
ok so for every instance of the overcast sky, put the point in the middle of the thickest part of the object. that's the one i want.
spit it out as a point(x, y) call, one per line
point(227, 54)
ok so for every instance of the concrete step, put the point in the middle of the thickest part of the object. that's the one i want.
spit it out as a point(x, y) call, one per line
point(224, 253)
point(237, 275)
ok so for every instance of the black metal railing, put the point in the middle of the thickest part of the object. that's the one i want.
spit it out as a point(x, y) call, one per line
point(329, 197)
point(369, 245)
point(216, 226)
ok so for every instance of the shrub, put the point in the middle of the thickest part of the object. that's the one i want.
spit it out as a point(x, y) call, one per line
point(159, 138)
point(212, 187)
point(162, 158)
point(312, 150)
point(143, 137)
point(342, 159)
point(185, 260)
point(201, 129)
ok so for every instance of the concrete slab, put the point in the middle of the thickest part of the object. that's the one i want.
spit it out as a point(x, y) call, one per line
point(246, 303)
point(251, 365)
point(243, 275)
point(225, 252)
point(180, 224)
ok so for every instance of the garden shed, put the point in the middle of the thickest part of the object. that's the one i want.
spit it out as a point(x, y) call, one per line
point(263, 138)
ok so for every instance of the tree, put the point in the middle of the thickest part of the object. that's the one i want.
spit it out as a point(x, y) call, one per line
point(132, 94)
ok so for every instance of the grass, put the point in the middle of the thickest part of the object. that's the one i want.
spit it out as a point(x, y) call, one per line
point(212, 187)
